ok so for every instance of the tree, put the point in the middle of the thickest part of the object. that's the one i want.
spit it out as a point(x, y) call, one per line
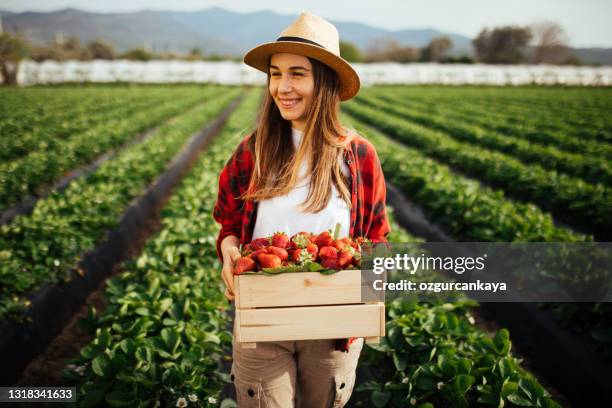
point(196, 54)
point(549, 44)
point(502, 45)
point(12, 50)
point(138, 54)
point(350, 51)
point(100, 49)
point(436, 49)
point(73, 49)
point(387, 49)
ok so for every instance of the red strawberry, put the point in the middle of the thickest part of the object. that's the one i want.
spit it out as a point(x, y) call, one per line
point(328, 252)
point(313, 249)
point(269, 261)
point(255, 254)
point(324, 239)
point(301, 255)
point(260, 243)
point(243, 264)
point(300, 240)
point(340, 243)
point(330, 263)
point(280, 252)
point(279, 239)
point(247, 249)
point(345, 256)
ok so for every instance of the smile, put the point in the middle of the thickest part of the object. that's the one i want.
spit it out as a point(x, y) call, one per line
point(289, 103)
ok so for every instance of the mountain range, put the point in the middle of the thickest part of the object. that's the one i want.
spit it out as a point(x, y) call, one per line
point(214, 31)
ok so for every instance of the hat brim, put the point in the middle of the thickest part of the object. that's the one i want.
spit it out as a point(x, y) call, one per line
point(259, 58)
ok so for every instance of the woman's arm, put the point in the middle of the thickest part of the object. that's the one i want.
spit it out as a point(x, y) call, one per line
point(230, 252)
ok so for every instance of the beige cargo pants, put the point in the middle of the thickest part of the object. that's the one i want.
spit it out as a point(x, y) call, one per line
point(288, 374)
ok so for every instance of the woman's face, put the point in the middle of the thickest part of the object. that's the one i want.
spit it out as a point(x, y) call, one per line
point(292, 87)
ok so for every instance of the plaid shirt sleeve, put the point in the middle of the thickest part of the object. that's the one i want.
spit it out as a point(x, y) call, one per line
point(376, 222)
point(233, 181)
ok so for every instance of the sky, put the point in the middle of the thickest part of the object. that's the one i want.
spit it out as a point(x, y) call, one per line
point(586, 22)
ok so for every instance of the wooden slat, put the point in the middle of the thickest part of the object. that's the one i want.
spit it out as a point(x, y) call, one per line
point(310, 323)
point(298, 289)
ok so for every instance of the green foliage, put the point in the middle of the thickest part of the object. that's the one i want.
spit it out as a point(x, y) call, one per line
point(587, 203)
point(138, 54)
point(45, 247)
point(433, 355)
point(350, 51)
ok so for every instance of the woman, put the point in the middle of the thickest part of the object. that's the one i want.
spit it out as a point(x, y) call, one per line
point(299, 171)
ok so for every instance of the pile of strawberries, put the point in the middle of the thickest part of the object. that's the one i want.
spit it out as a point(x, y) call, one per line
point(280, 251)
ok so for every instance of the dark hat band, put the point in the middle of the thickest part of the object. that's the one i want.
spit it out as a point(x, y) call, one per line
point(299, 39)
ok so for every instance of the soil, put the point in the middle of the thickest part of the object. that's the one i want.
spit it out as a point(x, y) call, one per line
point(46, 369)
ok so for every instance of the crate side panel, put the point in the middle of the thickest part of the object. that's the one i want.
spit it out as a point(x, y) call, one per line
point(299, 289)
point(310, 323)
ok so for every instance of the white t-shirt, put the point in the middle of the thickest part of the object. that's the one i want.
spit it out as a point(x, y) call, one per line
point(282, 213)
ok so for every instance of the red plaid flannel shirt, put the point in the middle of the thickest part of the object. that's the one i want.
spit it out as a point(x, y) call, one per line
point(368, 194)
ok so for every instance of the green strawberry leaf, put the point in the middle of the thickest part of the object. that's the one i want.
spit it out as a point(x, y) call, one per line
point(328, 271)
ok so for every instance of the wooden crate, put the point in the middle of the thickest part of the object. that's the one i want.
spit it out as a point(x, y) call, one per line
point(304, 306)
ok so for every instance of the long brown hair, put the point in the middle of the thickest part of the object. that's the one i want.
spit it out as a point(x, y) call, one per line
point(276, 163)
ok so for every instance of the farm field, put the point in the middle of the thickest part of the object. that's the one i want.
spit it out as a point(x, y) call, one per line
point(483, 164)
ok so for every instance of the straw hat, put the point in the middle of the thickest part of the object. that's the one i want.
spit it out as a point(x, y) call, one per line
point(314, 37)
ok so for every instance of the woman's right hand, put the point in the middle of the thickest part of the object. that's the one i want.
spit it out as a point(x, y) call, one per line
point(227, 273)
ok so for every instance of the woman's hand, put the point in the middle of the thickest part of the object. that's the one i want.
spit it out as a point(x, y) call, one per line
point(227, 272)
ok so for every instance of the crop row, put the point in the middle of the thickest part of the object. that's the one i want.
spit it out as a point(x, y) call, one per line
point(573, 107)
point(30, 173)
point(45, 247)
point(511, 129)
point(579, 103)
point(466, 209)
point(573, 200)
point(63, 124)
point(591, 169)
point(23, 110)
point(164, 332)
point(516, 107)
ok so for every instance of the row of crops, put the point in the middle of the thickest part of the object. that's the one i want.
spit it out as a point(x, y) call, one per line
point(460, 155)
point(57, 142)
point(519, 175)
